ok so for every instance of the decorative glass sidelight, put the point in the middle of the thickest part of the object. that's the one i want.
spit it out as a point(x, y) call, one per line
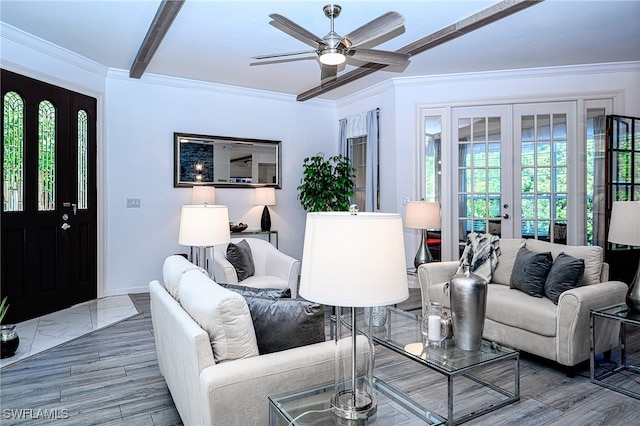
point(13, 153)
point(46, 156)
point(83, 133)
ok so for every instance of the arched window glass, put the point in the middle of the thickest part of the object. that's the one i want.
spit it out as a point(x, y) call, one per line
point(82, 158)
point(13, 146)
point(46, 156)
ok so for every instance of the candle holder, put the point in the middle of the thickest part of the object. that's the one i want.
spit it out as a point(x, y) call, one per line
point(434, 326)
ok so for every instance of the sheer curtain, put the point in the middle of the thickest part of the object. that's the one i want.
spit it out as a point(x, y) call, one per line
point(365, 124)
point(599, 181)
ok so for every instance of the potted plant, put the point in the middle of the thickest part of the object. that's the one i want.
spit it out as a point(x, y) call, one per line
point(9, 339)
point(327, 184)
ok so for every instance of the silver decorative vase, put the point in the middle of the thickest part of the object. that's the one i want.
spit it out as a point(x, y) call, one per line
point(468, 301)
point(376, 314)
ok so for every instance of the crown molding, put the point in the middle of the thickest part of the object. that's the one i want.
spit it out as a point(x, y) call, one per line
point(37, 44)
point(603, 68)
point(183, 83)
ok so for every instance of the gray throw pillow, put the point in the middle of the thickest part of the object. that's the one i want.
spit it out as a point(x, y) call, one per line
point(274, 293)
point(530, 271)
point(282, 324)
point(239, 255)
point(565, 274)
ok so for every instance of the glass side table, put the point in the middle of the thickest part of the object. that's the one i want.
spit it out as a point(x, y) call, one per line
point(623, 377)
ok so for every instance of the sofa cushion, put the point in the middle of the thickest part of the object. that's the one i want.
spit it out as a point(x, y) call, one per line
point(282, 324)
point(566, 273)
point(517, 309)
point(592, 255)
point(239, 255)
point(508, 251)
point(481, 254)
point(530, 271)
point(222, 313)
point(172, 270)
point(274, 293)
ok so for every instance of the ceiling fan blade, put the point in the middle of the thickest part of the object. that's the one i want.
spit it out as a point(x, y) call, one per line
point(300, 31)
point(384, 24)
point(328, 73)
point(278, 55)
point(379, 56)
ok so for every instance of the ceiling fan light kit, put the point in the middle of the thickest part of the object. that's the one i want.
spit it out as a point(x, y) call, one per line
point(332, 57)
point(333, 50)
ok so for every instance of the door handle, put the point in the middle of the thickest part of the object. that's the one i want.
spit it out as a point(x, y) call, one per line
point(65, 226)
point(505, 216)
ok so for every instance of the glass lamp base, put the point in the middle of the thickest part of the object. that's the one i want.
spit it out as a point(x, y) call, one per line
point(342, 404)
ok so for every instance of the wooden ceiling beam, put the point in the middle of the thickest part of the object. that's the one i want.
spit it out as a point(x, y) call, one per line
point(477, 20)
point(167, 12)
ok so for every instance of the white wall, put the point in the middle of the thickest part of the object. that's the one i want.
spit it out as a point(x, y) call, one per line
point(141, 116)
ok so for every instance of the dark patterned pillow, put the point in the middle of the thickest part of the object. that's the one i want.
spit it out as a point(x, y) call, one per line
point(565, 274)
point(282, 324)
point(530, 271)
point(274, 293)
point(239, 255)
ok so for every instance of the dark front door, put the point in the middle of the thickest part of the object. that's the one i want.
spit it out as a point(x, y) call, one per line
point(49, 216)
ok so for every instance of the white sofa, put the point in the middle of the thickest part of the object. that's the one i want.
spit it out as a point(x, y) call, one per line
point(273, 269)
point(536, 325)
point(207, 391)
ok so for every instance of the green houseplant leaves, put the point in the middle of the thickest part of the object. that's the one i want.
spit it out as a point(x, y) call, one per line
point(327, 184)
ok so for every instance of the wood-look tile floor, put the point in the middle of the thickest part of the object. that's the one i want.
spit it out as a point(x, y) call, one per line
point(111, 377)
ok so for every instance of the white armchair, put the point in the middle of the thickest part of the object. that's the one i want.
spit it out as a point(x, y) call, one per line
point(273, 269)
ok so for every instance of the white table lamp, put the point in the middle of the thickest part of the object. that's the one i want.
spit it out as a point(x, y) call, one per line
point(422, 215)
point(203, 226)
point(265, 197)
point(354, 260)
point(624, 228)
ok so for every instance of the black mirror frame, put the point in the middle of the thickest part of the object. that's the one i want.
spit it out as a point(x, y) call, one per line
point(203, 139)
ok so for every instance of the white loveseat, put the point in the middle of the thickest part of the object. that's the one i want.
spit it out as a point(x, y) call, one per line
point(210, 391)
point(537, 325)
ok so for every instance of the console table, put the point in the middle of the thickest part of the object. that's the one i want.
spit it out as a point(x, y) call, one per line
point(268, 234)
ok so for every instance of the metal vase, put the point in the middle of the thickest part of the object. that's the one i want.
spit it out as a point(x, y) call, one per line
point(468, 299)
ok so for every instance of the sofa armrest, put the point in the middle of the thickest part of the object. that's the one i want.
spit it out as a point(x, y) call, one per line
point(183, 350)
point(223, 271)
point(284, 266)
point(574, 306)
point(237, 392)
point(434, 273)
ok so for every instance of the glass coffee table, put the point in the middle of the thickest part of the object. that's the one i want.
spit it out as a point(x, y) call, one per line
point(313, 407)
point(401, 334)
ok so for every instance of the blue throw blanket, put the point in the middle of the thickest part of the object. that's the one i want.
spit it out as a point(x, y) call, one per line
point(481, 254)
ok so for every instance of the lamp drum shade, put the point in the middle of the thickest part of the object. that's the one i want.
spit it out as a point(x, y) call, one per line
point(265, 197)
point(422, 215)
point(204, 225)
point(624, 227)
point(354, 260)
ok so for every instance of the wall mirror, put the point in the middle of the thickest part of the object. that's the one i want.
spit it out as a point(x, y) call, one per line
point(226, 161)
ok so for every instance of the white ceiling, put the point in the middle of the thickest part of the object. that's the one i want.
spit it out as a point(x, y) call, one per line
point(214, 41)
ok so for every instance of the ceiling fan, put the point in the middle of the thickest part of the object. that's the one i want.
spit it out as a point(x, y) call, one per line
point(333, 49)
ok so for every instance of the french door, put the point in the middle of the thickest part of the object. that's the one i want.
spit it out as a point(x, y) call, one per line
point(515, 172)
point(49, 210)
